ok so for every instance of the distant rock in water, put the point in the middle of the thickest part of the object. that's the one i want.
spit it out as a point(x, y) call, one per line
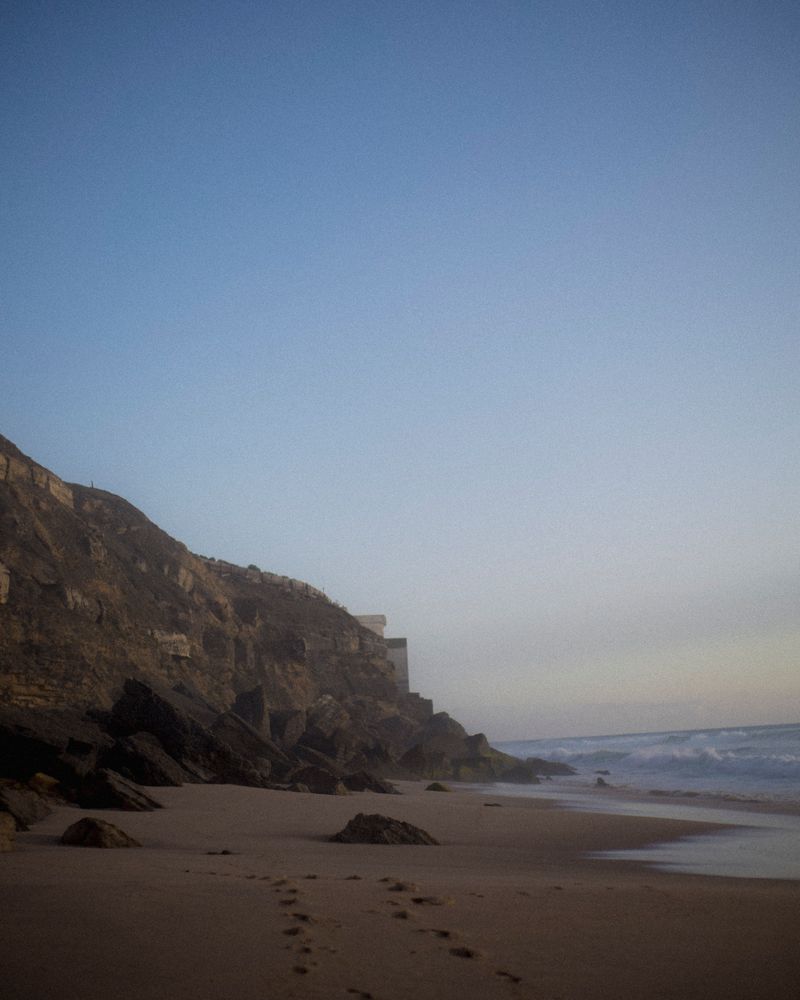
point(377, 829)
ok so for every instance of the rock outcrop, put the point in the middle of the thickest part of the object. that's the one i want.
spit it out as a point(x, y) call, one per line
point(190, 668)
point(377, 829)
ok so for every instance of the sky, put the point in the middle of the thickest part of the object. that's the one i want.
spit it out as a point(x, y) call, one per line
point(479, 315)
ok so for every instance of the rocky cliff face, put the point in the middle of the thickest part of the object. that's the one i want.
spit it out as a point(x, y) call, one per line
point(92, 592)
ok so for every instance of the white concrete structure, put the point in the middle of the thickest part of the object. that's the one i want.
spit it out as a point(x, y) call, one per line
point(396, 649)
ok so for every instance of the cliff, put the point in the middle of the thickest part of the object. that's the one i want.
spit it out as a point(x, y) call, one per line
point(92, 592)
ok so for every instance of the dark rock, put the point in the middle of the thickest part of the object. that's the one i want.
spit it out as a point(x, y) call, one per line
point(477, 746)
point(201, 754)
point(141, 758)
point(264, 755)
point(318, 780)
point(437, 786)
point(24, 804)
point(377, 829)
point(106, 789)
point(200, 707)
point(308, 756)
point(443, 733)
point(549, 768)
point(422, 762)
point(8, 829)
point(61, 743)
point(363, 781)
point(253, 708)
point(91, 832)
point(287, 727)
point(521, 773)
point(602, 783)
point(45, 785)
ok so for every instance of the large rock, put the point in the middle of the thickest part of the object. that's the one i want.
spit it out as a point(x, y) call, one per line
point(318, 780)
point(24, 804)
point(141, 758)
point(200, 753)
point(363, 781)
point(377, 829)
point(61, 743)
point(91, 832)
point(106, 789)
point(265, 756)
point(8, 829)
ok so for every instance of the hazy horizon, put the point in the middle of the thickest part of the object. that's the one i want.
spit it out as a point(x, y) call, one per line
point(482, 317)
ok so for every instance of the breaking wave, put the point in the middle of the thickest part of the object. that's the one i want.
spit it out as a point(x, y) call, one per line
point(762, 760)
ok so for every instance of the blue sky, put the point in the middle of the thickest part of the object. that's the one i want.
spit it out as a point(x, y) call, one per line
point(480, 315)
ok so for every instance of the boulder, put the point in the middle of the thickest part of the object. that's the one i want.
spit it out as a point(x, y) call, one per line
point(24, 804)
point(308, 756)
point(318, 780)
point(91, 832)
point(521, 774)
point(201, 754)
point(8, 829)
point(106, 789)
point(363, 781)
point(61, 743)
point(443, 733)
point(437, 786)
point(377, 829)
point(45, 784)
point(142, 759)
point(264, 755)
point(422, 762)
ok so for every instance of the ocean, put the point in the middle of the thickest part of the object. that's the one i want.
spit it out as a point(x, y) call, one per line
point(664, 771)
point(748, 762)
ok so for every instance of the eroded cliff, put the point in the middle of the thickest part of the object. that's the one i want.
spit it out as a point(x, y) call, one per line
point(93, 592)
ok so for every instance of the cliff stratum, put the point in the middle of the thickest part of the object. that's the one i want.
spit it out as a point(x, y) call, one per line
point(92, 592)
point(123, 657)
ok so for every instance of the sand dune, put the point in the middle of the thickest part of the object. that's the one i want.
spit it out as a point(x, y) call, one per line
point(506, 907)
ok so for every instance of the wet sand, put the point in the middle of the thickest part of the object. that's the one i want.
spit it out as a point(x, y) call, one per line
point(508, 907)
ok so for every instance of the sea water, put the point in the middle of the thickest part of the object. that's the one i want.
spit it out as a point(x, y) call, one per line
point(659, 774)
point(761, 762)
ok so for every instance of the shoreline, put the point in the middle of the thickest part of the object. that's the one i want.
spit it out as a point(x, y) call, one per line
point(510, 905)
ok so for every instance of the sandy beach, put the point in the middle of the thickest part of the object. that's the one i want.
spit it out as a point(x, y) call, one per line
point(507, 906)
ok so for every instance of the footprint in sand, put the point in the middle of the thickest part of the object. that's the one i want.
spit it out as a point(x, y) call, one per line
point(301, 970)
point(352, 878)
point(431, 901)
point(293, 931)
point(362, 994)
point(437, 932)
point(508, 977)
point(401, 915)
point(304, 918)
point(464, 952)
